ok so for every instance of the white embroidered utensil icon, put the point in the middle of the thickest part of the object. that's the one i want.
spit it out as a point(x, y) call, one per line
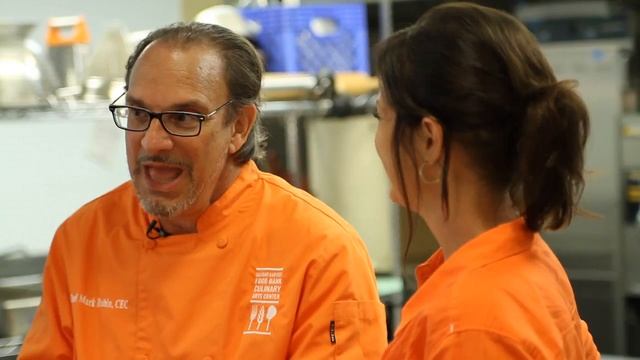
point(254, 312)
point(260, 318)
point(271, 313)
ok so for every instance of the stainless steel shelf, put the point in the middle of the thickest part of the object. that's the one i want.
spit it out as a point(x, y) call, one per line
point(9, 347)
point(299, 108)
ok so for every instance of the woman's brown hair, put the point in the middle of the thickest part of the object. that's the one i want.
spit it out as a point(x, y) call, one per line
point(482, 75)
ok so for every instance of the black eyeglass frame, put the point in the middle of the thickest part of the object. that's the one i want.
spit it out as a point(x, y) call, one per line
point(158, 115)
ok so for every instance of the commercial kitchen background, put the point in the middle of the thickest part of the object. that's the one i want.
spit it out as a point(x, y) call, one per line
point(60, 153)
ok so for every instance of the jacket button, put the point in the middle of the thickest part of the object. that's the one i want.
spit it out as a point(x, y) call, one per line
point(222, 243)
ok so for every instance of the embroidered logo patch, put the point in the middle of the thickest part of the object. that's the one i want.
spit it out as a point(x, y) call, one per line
point(264, 300)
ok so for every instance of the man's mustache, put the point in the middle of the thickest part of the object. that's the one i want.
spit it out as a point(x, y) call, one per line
point(163, 159)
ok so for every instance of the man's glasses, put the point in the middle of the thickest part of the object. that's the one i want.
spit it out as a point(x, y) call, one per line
point(178, 123)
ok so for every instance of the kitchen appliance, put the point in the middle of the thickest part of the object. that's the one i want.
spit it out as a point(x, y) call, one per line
point(68, 39)
point(26, 78)
point(345, 172)
point(592, 249)
point(590, 41)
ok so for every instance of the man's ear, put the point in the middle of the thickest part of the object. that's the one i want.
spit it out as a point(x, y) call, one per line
point(241, 127)
point(430, 140)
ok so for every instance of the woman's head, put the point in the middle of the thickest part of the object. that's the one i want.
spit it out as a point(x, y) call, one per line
point(478, 77)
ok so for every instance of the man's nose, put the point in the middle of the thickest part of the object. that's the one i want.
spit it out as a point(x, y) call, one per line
point(156, 138)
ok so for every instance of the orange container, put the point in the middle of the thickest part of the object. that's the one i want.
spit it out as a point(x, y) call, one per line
point(66, 31)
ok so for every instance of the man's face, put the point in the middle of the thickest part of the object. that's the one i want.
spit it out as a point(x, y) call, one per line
point(176, 176)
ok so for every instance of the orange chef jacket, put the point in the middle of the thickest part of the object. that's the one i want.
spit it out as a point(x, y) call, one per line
point(272, 273)
point(502, 295)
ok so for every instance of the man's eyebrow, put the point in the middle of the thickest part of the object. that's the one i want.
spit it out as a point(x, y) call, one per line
point(189, 104)
point(133, 101)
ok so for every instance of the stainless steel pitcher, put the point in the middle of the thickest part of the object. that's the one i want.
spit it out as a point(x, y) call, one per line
point(26, 77)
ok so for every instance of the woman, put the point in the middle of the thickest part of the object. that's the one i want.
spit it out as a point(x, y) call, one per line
point(480, 139)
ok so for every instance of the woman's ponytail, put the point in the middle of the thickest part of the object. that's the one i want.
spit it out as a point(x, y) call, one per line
point(549, 171)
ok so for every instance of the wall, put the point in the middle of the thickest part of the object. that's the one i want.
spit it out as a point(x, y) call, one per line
point(53, 163)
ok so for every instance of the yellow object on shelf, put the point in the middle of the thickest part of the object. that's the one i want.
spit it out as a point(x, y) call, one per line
point(288, 86)
point(355, 83)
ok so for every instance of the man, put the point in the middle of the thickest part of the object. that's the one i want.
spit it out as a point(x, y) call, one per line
point(201, 255)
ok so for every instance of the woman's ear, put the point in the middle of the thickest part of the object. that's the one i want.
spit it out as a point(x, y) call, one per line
point(241, 127)
point(430, 140)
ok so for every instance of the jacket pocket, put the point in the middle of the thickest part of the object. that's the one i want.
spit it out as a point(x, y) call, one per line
point(358, 330)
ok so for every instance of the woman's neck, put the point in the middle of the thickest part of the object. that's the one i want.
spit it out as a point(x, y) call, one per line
point(472, 211)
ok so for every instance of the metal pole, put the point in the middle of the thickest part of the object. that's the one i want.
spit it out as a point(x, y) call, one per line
point(385, 22)
point(293, 150)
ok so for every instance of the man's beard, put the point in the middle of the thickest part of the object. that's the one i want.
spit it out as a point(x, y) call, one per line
point(160, 207)
point(168, 208)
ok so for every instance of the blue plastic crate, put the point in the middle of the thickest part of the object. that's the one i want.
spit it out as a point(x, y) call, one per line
point(292, 42)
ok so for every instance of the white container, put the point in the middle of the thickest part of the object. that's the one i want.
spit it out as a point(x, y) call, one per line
point(346, 173)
